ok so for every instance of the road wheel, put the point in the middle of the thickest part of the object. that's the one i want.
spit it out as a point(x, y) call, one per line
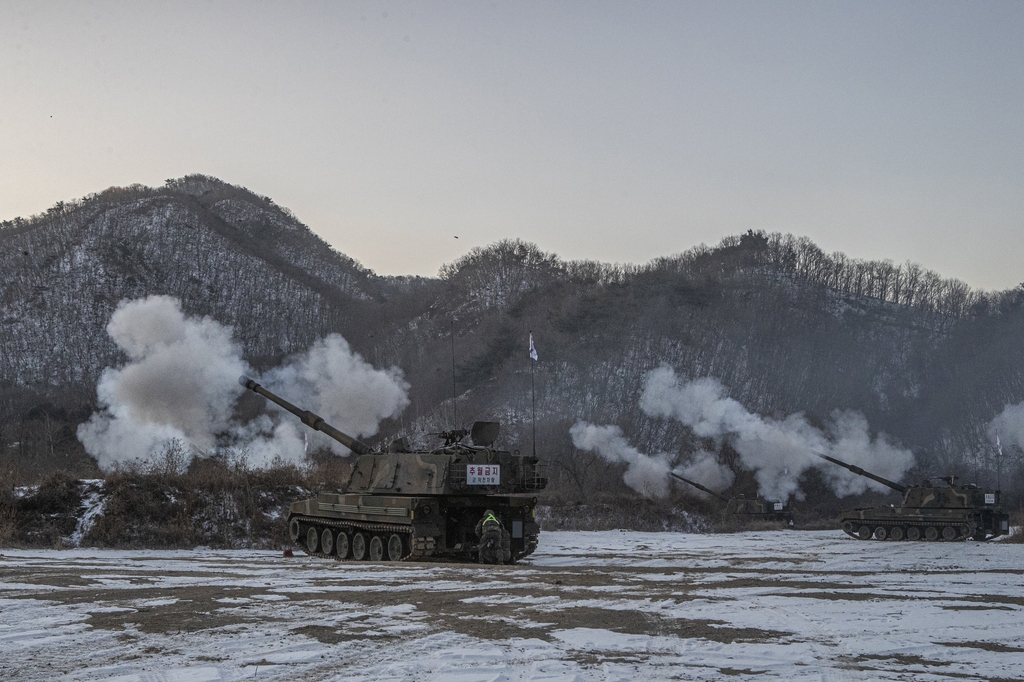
point(949, 533)
point(897, 533)
point(327, 541)
point(295, 530)
point(881, 533)
point(931, 533)
point(395, 552)
point(913, 533)
point(312, 538)
point(376, 548)
point(864, 533)
point(358, 546)
point(342, 542)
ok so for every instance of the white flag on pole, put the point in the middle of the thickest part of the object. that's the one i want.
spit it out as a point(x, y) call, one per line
point(533, 351)
point(999, 446)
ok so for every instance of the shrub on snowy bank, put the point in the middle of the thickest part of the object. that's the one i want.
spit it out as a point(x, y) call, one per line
point(220, 504)
point(213, 502)
point(223, 503)
point(220, 508)
point(42, 515)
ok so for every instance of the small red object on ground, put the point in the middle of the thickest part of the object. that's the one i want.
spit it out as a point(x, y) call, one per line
point(288, 553)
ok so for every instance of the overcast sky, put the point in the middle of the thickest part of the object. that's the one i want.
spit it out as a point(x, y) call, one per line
point(613, 131)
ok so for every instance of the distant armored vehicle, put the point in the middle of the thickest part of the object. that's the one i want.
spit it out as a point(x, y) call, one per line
point(743, 508)
point(413, 506)
point(949, 512)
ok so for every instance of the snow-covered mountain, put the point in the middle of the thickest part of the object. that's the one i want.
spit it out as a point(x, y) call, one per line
point(785, 328)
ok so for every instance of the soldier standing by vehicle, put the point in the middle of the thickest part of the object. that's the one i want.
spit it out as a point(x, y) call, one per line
point(494, 540)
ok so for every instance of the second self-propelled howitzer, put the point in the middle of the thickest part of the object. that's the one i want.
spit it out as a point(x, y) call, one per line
point(744, 508)
point(399, 504)
point(927, 512)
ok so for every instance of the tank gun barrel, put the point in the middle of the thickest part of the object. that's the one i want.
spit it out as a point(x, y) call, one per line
point(698, 486)
point(860, 472)
point(308, 418)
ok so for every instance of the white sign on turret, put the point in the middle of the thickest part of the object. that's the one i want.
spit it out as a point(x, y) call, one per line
point(483, 474)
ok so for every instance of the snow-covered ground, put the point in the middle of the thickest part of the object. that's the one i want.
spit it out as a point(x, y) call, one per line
point(587, 606)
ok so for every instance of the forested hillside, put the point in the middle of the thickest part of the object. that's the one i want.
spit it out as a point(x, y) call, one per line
point(784, 327)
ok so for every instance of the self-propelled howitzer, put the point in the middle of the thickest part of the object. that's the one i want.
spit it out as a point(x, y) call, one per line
point(416, 505)
point(927, 512)
point(743, 508)
point(698, 486)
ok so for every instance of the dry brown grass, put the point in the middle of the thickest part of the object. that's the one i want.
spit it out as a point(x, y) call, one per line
point(214, 502)
point(175, 502)
point(49, 515)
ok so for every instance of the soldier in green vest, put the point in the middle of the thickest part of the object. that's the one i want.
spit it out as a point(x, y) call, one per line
point(495, 541)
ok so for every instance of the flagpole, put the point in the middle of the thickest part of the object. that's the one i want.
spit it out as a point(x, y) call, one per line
point(533, 399)
point(533, 393)
point(999, 464)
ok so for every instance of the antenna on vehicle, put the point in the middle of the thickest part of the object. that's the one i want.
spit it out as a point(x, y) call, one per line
point(455, 404)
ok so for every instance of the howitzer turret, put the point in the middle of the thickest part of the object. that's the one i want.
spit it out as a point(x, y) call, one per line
point(404, 505)
point(756, 509)
point(927, 512)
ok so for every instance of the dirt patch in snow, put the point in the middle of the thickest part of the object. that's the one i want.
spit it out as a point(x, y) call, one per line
point(518, 608)
point(985, 646)
point(634, 612)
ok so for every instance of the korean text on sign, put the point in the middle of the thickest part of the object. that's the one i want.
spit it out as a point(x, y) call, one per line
point(483, 474)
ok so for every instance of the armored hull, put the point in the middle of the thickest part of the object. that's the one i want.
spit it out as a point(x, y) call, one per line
point(355, 527)
point(929, 513)
point(399, 505)
point(418, 506)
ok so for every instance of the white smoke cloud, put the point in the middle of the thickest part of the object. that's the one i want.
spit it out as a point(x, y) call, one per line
point(335, 382)
point(851, 442)
point(777, 451)
point(177, 383)
point(704, 468)
point(263, 441)
point(181, 383)
point(646, 474)
point(1008, 426)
